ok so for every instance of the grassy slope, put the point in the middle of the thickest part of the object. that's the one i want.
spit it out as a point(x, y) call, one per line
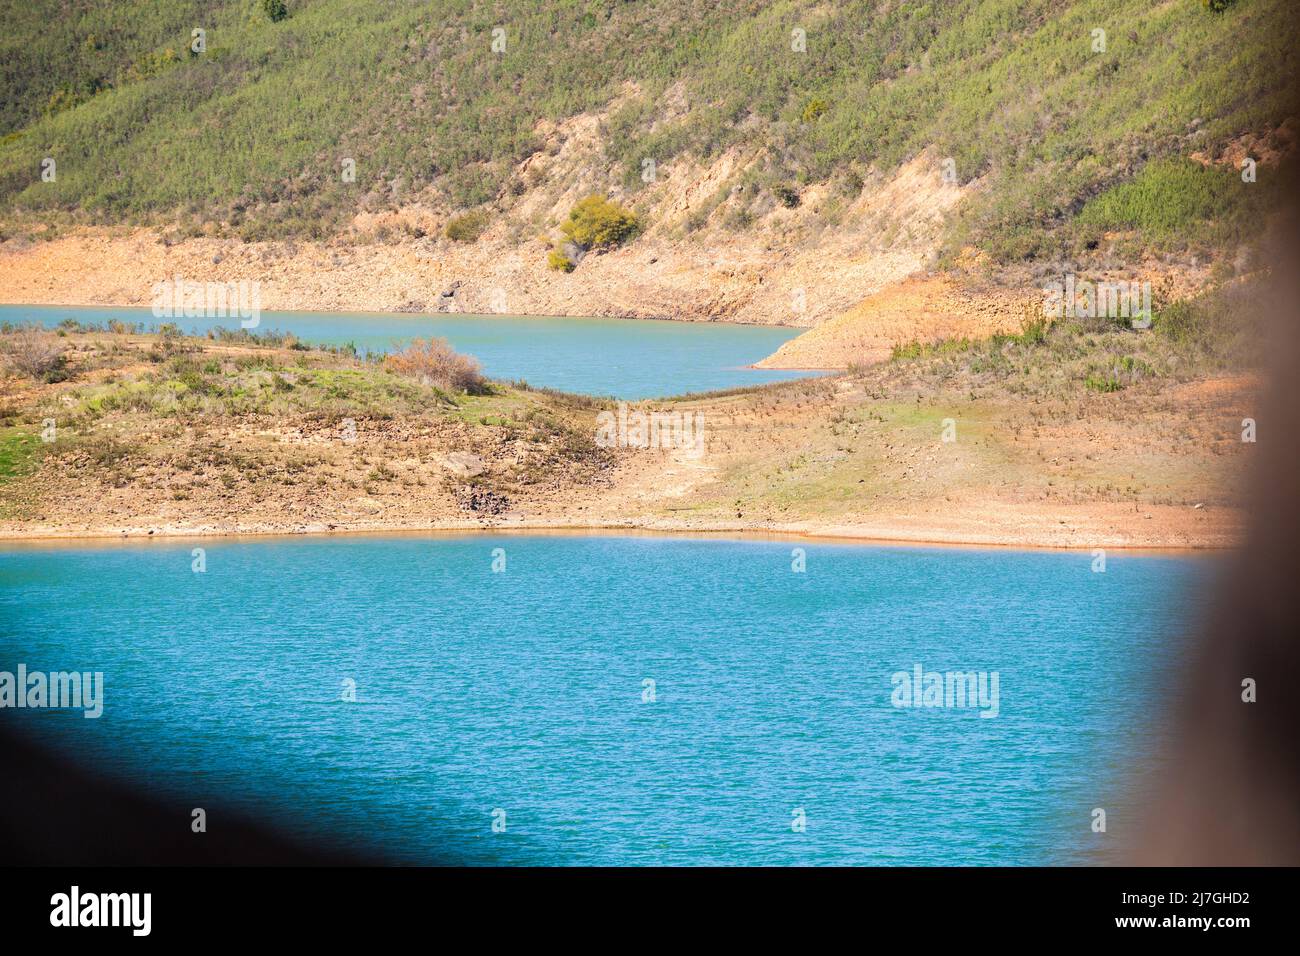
point(253, 131)
point(165, 425)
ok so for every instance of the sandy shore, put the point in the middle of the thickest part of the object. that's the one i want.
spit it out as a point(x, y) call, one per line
point(878, 535)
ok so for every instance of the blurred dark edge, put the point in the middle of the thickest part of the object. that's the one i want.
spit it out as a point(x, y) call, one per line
point(56, 813)
point(1231, 794)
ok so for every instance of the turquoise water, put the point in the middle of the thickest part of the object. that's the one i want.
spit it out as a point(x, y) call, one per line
point(523, 691)
point(623, 358)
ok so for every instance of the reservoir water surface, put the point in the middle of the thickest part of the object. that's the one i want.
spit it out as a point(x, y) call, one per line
point(614, 700)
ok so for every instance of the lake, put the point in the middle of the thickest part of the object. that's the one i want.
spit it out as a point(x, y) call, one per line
point(623, 358)
point(616, 699)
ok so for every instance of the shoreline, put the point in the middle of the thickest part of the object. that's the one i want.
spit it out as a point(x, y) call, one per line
point(744, 283)
point(830, 534)
point(391, 313)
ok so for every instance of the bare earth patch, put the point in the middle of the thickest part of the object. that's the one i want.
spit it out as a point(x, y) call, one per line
point(918, 308)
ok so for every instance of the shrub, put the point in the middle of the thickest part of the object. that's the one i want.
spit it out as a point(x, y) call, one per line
point(1034, 325)
point(434, 362)
point(788, 195)
point(66, 95)
point(558, 261)
point(814, 108)
point(1122, 373)
point(467, 227)
point(1103, 382)
point(1180, 322)
point(599, 223)
point(151, 64)
point(275, 10)
point(34, 353)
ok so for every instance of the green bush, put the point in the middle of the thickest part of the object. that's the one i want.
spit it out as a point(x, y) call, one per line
point(1125, 371)
point(1103, 382)
point(1181, 204)
point(599, 223)
point(814, 108)
point(151, 64)
point(788, 195)
point(68, 96)
point(275, 10)
point(467, 227)
point(558, 261)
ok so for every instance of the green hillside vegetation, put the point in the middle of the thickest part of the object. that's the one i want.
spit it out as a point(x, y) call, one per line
point(1169, 196)
point(249, 136)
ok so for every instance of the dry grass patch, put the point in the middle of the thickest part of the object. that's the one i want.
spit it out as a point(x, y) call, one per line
point(35, 353)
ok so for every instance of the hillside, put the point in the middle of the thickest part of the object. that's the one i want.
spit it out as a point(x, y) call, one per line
point(248, 137)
